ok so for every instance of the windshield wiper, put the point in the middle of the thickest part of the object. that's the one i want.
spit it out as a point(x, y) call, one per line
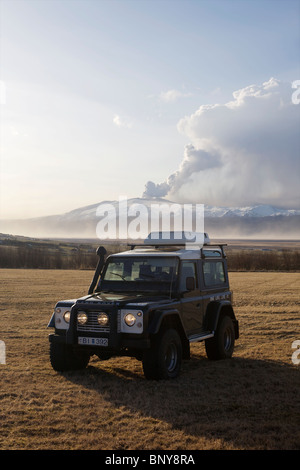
point(117, 274)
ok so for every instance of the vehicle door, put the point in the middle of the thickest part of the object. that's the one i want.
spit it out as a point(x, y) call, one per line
point(191, 305)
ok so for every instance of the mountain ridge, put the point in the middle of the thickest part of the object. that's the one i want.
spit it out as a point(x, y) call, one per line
point(257, 210)
point(260, 219)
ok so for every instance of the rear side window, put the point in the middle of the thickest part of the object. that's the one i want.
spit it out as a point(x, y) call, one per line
point(213, 273)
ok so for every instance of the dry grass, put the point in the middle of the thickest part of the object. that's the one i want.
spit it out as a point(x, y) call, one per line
point(249, 402)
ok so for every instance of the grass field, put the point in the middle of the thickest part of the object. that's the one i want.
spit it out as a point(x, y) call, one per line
point(249, 402)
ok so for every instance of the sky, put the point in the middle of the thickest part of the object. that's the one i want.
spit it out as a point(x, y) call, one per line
point(190, 100)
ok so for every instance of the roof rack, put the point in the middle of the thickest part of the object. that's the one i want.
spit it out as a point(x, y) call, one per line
point(177, 239)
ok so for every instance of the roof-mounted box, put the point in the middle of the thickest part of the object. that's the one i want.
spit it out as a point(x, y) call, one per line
point(176, 238)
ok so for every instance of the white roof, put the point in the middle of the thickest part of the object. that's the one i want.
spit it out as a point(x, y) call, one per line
point(181, 253)
point(158, 244)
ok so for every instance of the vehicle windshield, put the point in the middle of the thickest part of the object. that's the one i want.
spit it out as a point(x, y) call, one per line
point(142, 273)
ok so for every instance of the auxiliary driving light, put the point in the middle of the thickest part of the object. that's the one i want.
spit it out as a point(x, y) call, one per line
point(82, 318)
point(102, 319)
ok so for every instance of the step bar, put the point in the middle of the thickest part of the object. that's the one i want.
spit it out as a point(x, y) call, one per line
point(201, 337)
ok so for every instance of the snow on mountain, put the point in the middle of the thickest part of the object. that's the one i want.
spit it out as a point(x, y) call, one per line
point(231, 222)
point(250, 211)
point(89, 212)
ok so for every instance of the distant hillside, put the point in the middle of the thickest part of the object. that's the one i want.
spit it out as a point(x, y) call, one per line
point(260, 221)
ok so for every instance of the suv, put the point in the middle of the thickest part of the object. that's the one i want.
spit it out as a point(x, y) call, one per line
point(151, 302)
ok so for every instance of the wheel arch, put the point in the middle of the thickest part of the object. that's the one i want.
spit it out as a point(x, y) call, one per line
point(166, 319)
point(217, 310)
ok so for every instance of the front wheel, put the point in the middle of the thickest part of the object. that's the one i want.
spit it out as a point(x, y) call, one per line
point(163, 360)
point(221, 346)
point(63, 357)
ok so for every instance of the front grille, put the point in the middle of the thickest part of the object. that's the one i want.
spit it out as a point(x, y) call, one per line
point(92, 324)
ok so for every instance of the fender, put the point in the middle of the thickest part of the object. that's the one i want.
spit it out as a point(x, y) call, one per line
point(157, 318)
point(51, 323)
point(213, 312)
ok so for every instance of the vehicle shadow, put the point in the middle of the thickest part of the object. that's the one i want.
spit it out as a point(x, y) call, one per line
point(243, 403)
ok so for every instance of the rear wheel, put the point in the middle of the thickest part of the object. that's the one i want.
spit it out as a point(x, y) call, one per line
point(163, 360)
point(221, 346)
point(63, 357)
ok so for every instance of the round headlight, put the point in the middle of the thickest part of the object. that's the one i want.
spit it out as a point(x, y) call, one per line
point(129, 319)
point(102, 319)
point(82, 318)
point(67, 316)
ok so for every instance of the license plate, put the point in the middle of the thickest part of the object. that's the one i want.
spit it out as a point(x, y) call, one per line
point(93, 341)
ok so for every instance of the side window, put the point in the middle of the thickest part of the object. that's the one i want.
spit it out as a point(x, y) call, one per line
point(213, 273)
point(188, 269)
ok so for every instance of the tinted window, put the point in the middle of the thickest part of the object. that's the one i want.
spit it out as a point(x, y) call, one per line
point(146, 269)
point(213, 273)
point(133, 273)
point(214, 253)
point(188, 269)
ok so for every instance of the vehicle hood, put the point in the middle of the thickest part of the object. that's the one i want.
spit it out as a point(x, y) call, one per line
point(117, 298)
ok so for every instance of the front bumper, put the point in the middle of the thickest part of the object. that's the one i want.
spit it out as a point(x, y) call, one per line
point(121, 344)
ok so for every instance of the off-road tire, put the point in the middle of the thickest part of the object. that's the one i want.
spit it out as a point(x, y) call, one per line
point(221, 346)
point(64, 358)
point(163, 360)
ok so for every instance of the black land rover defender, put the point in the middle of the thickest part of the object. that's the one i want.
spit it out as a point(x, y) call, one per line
point(150, 303)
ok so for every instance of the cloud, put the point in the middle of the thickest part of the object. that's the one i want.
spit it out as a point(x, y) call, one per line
point(122, 122)
point(156, 190)
point(172, 95)
point(243, 152)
